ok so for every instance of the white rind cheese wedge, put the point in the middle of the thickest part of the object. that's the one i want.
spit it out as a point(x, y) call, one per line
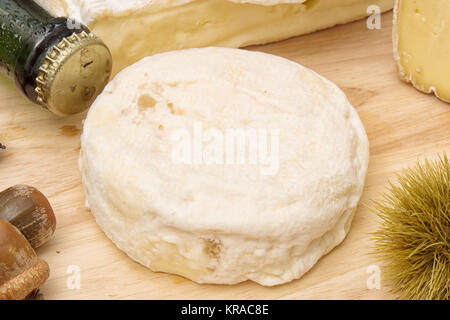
point(134, 29)
point(222, 221)
point(421, 38)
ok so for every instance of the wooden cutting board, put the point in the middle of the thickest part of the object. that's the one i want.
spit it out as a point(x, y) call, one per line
point(403, 125)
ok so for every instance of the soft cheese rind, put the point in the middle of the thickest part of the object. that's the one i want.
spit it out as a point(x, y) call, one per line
point(87, 11)
point(223, 223)
point(139, 28)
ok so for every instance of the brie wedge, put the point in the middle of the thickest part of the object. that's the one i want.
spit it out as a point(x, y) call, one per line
point(182, 202)
point(422, 45)
point(134, 29)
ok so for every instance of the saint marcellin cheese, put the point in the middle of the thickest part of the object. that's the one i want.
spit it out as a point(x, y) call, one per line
point(221, 171)
point(134, 29)
point(422, 45)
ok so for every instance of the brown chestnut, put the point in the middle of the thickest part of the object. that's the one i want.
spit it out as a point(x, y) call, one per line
point(28, 210)
point(21, 271)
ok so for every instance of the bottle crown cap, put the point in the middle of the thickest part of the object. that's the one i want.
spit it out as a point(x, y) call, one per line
point(73, 74)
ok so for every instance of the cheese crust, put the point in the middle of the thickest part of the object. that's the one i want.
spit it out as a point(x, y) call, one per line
point(421, 45)
point(134, 29)
point(223, 223)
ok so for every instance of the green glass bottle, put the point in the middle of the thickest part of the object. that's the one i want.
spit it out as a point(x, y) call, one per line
point(55, 61)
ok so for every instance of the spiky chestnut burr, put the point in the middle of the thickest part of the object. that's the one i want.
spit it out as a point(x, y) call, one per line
point(414, 236)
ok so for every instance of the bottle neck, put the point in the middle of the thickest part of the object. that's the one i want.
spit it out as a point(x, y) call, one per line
point(19, 20)
point(27, 34)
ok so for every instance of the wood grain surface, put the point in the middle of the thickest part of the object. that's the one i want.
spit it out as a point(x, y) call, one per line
point(403, 125)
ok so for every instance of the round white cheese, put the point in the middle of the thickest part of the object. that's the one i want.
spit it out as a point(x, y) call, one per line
point(222, 165)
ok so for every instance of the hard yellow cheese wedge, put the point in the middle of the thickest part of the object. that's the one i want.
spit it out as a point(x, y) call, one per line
point(422, 44)
point(134, 29)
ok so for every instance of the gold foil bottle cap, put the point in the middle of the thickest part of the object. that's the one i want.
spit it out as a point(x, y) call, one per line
point(73, 74)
